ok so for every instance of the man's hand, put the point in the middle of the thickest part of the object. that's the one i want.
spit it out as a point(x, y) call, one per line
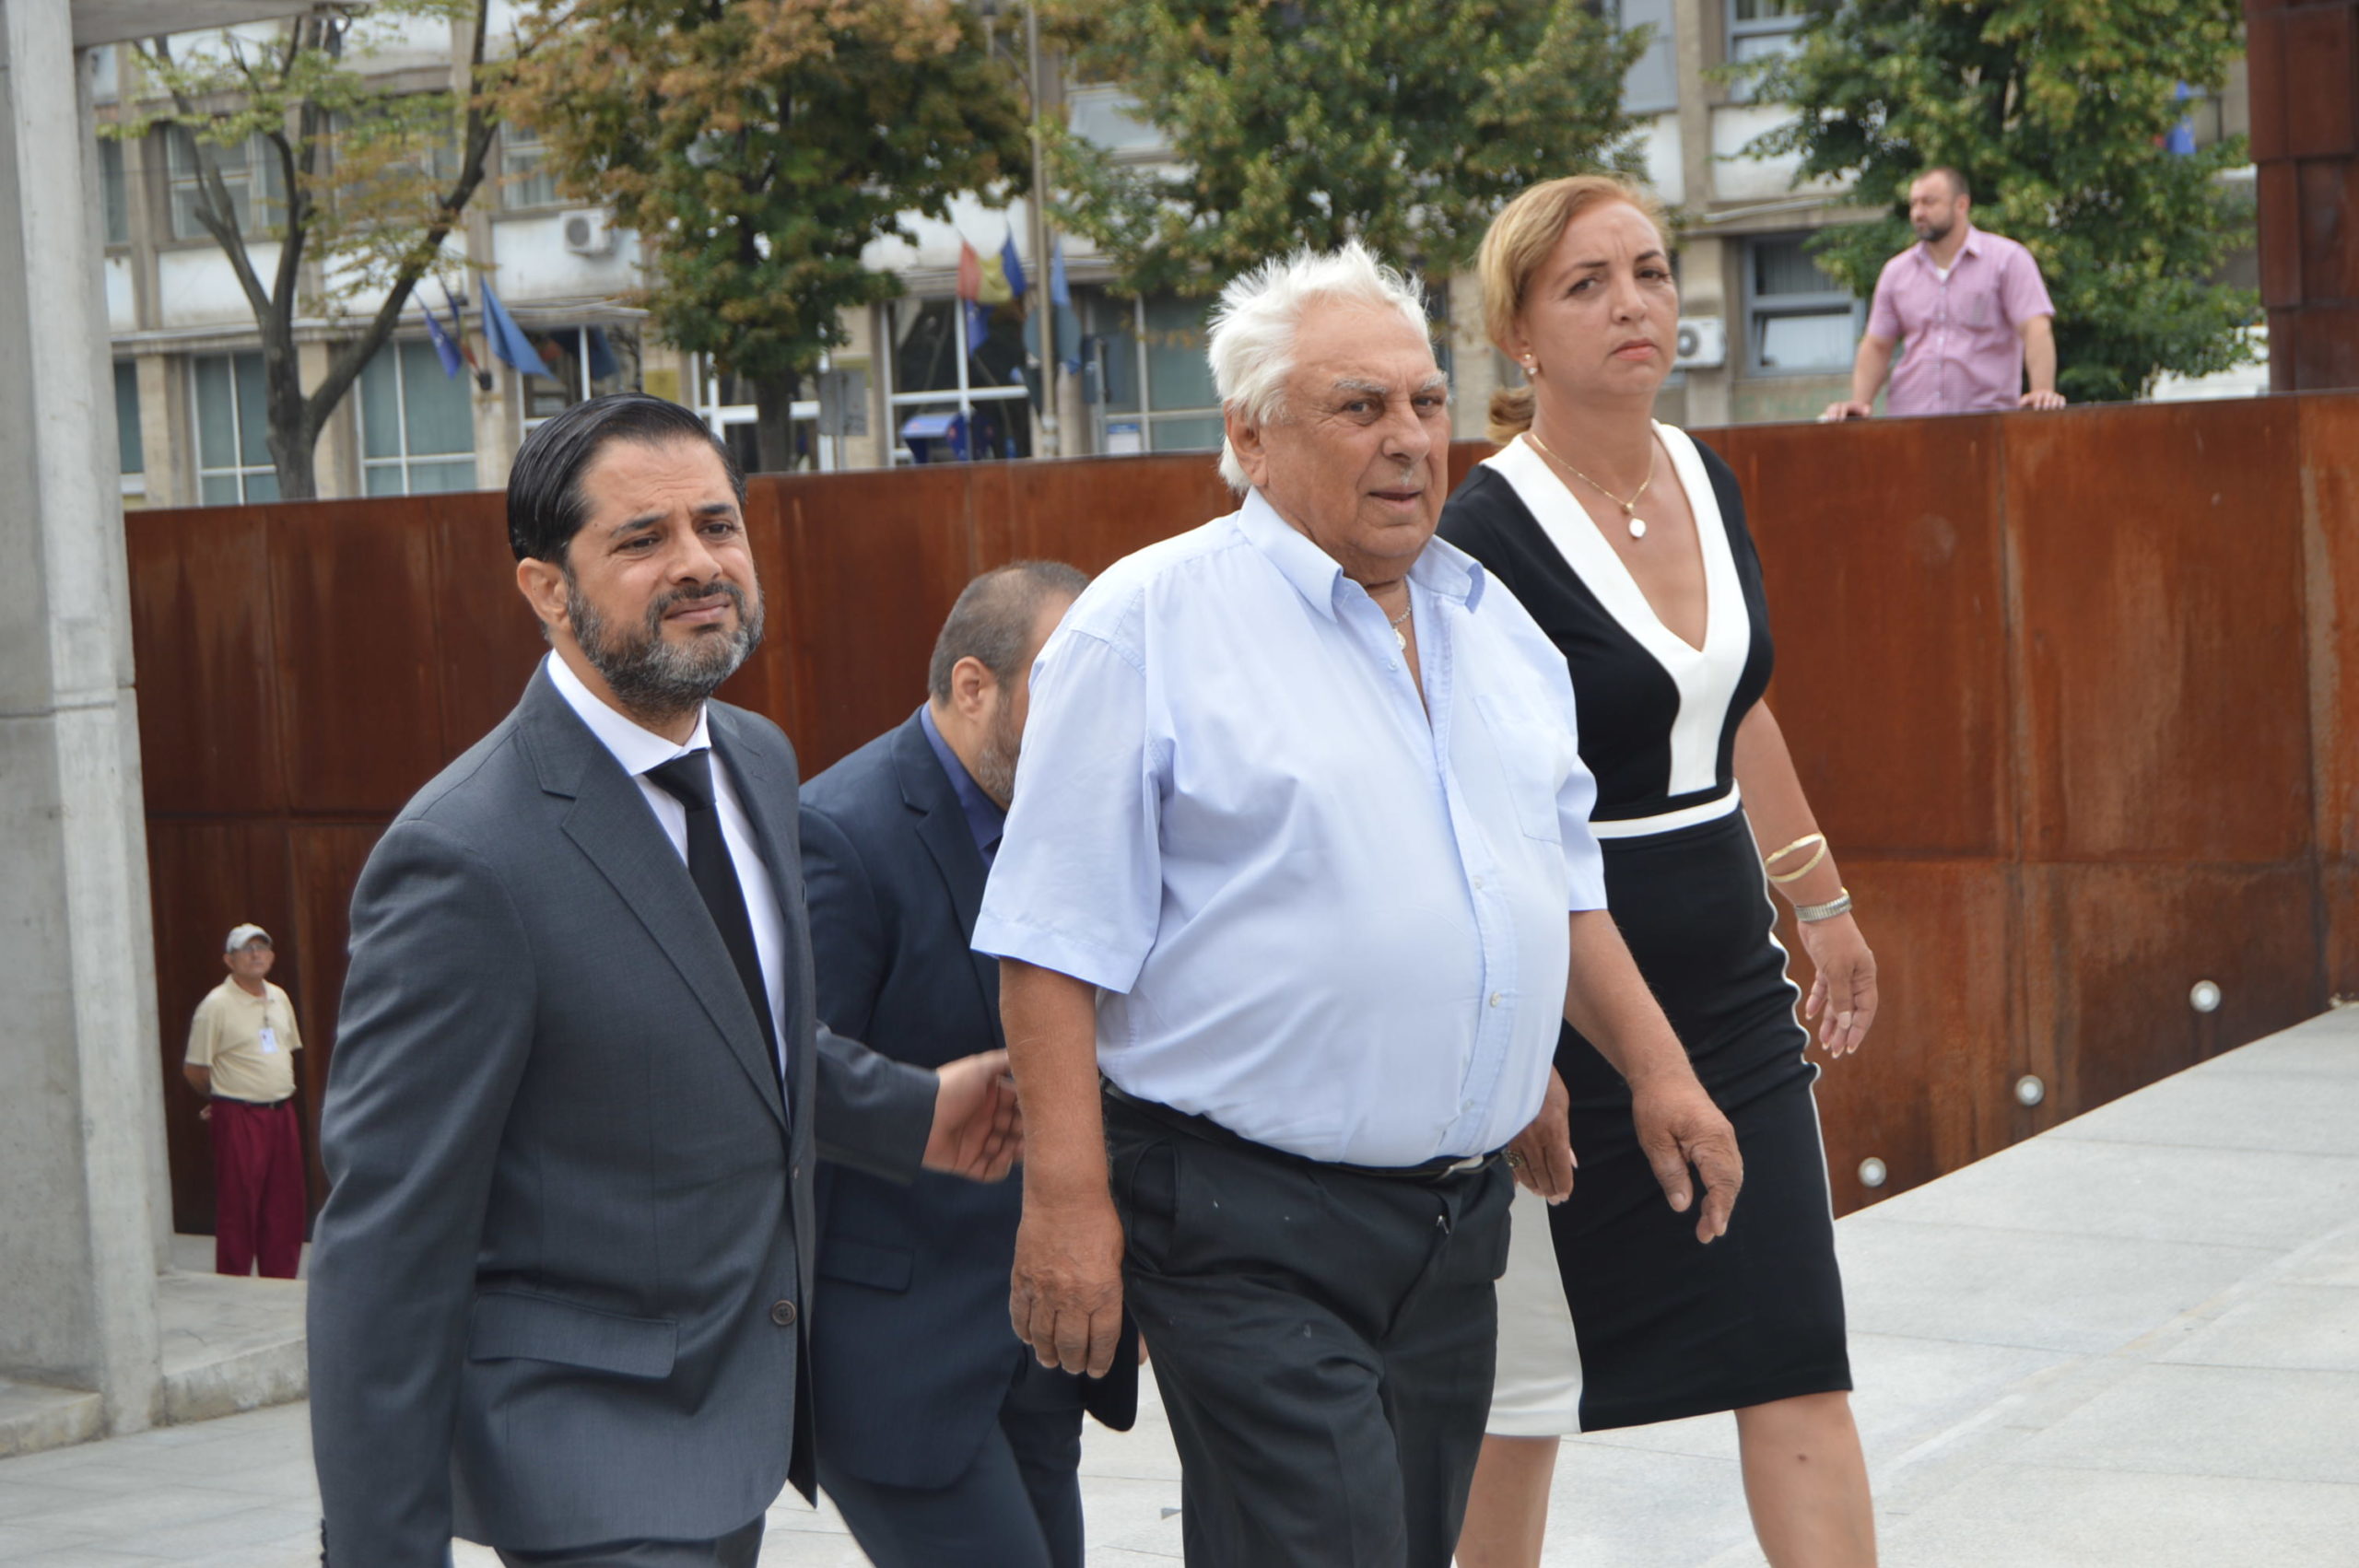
point(2041, 399)
point(1540, 1156)
point(1679, 1127)
point(1065, 1294)
point(1838, 412)
point(978, 1132)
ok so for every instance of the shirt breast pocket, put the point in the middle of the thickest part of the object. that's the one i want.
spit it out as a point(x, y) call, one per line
point(1534, 757)
point(1977, 311)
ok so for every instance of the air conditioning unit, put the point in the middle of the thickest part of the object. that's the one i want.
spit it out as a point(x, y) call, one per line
point(589, 233)
point(1703, 343)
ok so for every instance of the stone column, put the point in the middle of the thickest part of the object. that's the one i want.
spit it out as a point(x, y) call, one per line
point(2303, 59)
point(1474, 364)
point(81, 1126)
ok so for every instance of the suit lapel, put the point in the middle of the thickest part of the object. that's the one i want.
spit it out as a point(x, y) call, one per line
point(942, 829)
point(613, 828)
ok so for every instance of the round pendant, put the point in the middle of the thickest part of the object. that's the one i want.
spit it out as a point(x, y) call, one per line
point(1402, 638)
point(1638, 528)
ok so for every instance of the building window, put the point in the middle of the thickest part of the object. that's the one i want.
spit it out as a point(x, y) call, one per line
point(1653, 84)
point(114, 191)
point(585, 362)
point(942, 371)
point(130, 449)
point(418, 429)
point(1759, 28)
point(1108, 116)
point(1800, 321)
point(729, 407)
point(232, 430)
point(525, 181)
point(249, 170)
point(1149, 379)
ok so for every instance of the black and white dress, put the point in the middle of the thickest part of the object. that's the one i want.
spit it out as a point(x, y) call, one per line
point(1667, 1327)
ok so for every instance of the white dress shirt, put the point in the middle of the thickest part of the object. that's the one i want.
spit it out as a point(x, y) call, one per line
point(1327, 922)
point(639, 749)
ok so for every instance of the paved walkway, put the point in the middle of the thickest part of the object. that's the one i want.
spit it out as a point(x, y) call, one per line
point(2131, 1342)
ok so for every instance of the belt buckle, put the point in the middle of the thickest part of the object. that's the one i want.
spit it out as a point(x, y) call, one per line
point(1472, 1163)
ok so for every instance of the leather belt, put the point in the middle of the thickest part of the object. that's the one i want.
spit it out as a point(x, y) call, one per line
point(1431, 1172)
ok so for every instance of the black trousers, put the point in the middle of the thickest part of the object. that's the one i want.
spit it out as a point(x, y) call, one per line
point(1323, 1339)
point(1018, 1506)
point(739, 1549)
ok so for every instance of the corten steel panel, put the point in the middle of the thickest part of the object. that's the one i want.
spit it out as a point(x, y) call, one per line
point(2338, 922)
point(2329, 430)
point(2110, 952)
point(2329, 194)
point(325, 861)
point(353, 592)
point(1091, 511)
point(2158, 558)
point(486, 640)
point(1880, 554)
point(2325, 347)
point(2278, 214)
point(2265, 79)
point(2320, 57)
point(1463, 456)
point(205, 660)
point(205, 877)
point(874, 562)
point(1932, 1087)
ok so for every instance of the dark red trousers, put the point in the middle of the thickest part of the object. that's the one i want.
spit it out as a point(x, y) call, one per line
point(257, 1189)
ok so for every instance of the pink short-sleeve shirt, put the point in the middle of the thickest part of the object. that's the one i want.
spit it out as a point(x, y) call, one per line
point(1962, 347)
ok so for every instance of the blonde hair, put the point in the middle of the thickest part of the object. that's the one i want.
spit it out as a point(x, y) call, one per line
point(1250, 343)
point(1524, 237)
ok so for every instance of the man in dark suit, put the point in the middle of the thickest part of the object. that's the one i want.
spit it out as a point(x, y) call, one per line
point(940, 1437)
point(578, 1096)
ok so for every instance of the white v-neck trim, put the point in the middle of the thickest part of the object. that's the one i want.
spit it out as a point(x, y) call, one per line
point(1707, 676)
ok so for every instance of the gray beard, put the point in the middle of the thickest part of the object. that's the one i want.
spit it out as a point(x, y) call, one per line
point(995, 769)
point(1933, 235)
point(650, 677)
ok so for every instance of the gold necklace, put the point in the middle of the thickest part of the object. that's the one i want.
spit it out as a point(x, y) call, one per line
point(1630, 506)
point(1397, 635)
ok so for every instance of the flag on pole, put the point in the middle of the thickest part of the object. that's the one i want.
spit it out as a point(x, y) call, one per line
point(509, 343)
point(1060, 292)
point(971, 273)
point(459, 339)
point(1011, 266)
point(444, 349)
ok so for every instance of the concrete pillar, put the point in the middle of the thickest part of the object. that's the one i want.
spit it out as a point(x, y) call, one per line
point(2303, 64)
point(1473, 363)
point(81, 1126)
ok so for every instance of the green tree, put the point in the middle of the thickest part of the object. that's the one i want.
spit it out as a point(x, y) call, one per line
point(2056, 112)
point(356, 177)
point(758, 146)
point(1403, 124)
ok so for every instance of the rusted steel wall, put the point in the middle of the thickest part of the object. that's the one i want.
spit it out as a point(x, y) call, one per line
point(2076, 696)
point(2302, 58)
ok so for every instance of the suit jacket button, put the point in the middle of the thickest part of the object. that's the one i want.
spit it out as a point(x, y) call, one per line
point(782, 1313)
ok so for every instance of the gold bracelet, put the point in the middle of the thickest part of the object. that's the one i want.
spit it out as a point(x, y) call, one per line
point(1804, 842)
point(1781, 878)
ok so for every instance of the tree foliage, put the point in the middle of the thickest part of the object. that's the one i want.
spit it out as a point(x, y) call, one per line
point(1403, 124)
point(367, 179)
point(759, 147)
point(2056, 112)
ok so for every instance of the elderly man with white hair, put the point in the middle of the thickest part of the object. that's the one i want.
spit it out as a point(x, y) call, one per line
point(1298, 884)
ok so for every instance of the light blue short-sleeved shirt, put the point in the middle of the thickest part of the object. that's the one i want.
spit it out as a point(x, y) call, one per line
point(1319, 918)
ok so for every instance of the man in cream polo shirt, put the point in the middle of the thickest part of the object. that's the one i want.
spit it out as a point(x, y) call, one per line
point(242, 1050)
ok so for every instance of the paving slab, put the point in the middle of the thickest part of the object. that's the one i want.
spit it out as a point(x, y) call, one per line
point(2131, 1342)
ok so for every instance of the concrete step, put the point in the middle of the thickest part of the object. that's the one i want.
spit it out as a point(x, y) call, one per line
point(33, 1417)
point(229, 1345)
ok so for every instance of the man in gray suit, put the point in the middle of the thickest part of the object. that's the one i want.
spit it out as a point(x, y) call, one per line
point(577, 1094)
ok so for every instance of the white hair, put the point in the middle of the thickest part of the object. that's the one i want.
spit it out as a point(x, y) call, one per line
point(1252, 342)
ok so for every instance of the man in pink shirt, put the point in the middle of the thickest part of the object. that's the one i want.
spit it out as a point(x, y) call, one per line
point(1972, 310)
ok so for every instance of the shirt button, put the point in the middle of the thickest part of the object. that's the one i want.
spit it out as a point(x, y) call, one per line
point(1478, 884)
point(782, 1313)
point(1495, 996)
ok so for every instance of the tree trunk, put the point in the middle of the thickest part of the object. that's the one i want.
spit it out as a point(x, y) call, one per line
point(293, 438)
point(774, 422)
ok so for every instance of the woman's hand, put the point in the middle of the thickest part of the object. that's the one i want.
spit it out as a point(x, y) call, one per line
point(1843, 996)
point(1540, 1156)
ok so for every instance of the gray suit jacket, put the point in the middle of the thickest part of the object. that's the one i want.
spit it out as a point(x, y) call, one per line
point(557, 1292)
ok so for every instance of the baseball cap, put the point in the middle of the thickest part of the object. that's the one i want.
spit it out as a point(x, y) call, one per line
point(240, 935)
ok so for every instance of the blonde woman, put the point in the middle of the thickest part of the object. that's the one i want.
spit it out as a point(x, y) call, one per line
point(1627, 542)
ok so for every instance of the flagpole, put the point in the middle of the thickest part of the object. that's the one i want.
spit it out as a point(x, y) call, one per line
point(1039, 213)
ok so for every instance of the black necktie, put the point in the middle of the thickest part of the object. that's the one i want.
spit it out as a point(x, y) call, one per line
point(688, 779)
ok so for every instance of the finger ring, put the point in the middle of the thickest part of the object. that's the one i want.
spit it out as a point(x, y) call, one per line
point(1515, 1159)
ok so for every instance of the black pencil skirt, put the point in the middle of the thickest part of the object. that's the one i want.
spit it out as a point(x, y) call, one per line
point(1669, 1327)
